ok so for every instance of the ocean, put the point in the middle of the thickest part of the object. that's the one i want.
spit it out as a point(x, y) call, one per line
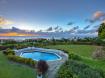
point(67, 36)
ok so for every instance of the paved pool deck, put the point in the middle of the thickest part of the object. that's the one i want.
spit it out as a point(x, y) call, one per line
point(54, 66)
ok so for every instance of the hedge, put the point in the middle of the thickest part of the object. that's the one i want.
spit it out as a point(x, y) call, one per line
point(8, 51)
point(27, 61)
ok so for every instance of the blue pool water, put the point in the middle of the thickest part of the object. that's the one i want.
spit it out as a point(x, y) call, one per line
point(41, 56)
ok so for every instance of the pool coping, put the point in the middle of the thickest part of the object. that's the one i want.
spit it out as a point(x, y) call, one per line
point(58, 53)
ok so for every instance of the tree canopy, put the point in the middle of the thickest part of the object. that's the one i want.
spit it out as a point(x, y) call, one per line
point(101, 31)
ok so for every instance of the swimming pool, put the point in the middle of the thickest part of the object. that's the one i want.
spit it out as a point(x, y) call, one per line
point(47, 56)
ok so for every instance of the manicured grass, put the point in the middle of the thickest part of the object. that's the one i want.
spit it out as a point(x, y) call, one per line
point(85, 51)
point(98, 64)
point(82, 50)
point(12, 70)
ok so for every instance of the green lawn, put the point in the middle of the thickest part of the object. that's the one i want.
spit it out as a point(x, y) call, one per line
point(85, 51)
point(82, 50)
point(98, 64)
point(13, 70)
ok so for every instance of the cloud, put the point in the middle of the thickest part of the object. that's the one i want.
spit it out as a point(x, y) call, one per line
point(90, 21)
point(86, 27)
point(4, 21)
point(49, 29)
point(86, 31)
point(75, 28)
point(96, 27)
point(60, 29)
point(72, 30)
point(70, 23)
point(97, 16)
point(56, 28)
point(103, 21)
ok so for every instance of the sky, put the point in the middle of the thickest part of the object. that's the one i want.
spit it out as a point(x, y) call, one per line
point(44, 14)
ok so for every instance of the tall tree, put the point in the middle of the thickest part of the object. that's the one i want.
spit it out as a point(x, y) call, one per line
point(101, 31)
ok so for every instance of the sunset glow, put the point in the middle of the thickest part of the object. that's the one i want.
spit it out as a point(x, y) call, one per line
point(16, 34)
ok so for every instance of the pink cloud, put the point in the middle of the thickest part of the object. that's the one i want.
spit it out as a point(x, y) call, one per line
point(98, 15)
point(4, 21)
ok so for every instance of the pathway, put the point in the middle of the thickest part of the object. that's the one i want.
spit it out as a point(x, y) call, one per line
point(54, 66)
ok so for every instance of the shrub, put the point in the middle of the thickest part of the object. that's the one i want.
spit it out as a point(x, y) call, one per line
point(64, 72)
point(104, 48)
point(99, 53)
point(27, 61)
point(74, 56)
point(64, 51)
point(76, 69)
point(9, 51)
point(83, 70)
point(2, 47)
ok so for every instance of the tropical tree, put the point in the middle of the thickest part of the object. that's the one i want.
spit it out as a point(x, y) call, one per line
point(101, 31)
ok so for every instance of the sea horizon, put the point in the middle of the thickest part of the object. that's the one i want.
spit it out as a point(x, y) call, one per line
point(67, 36)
